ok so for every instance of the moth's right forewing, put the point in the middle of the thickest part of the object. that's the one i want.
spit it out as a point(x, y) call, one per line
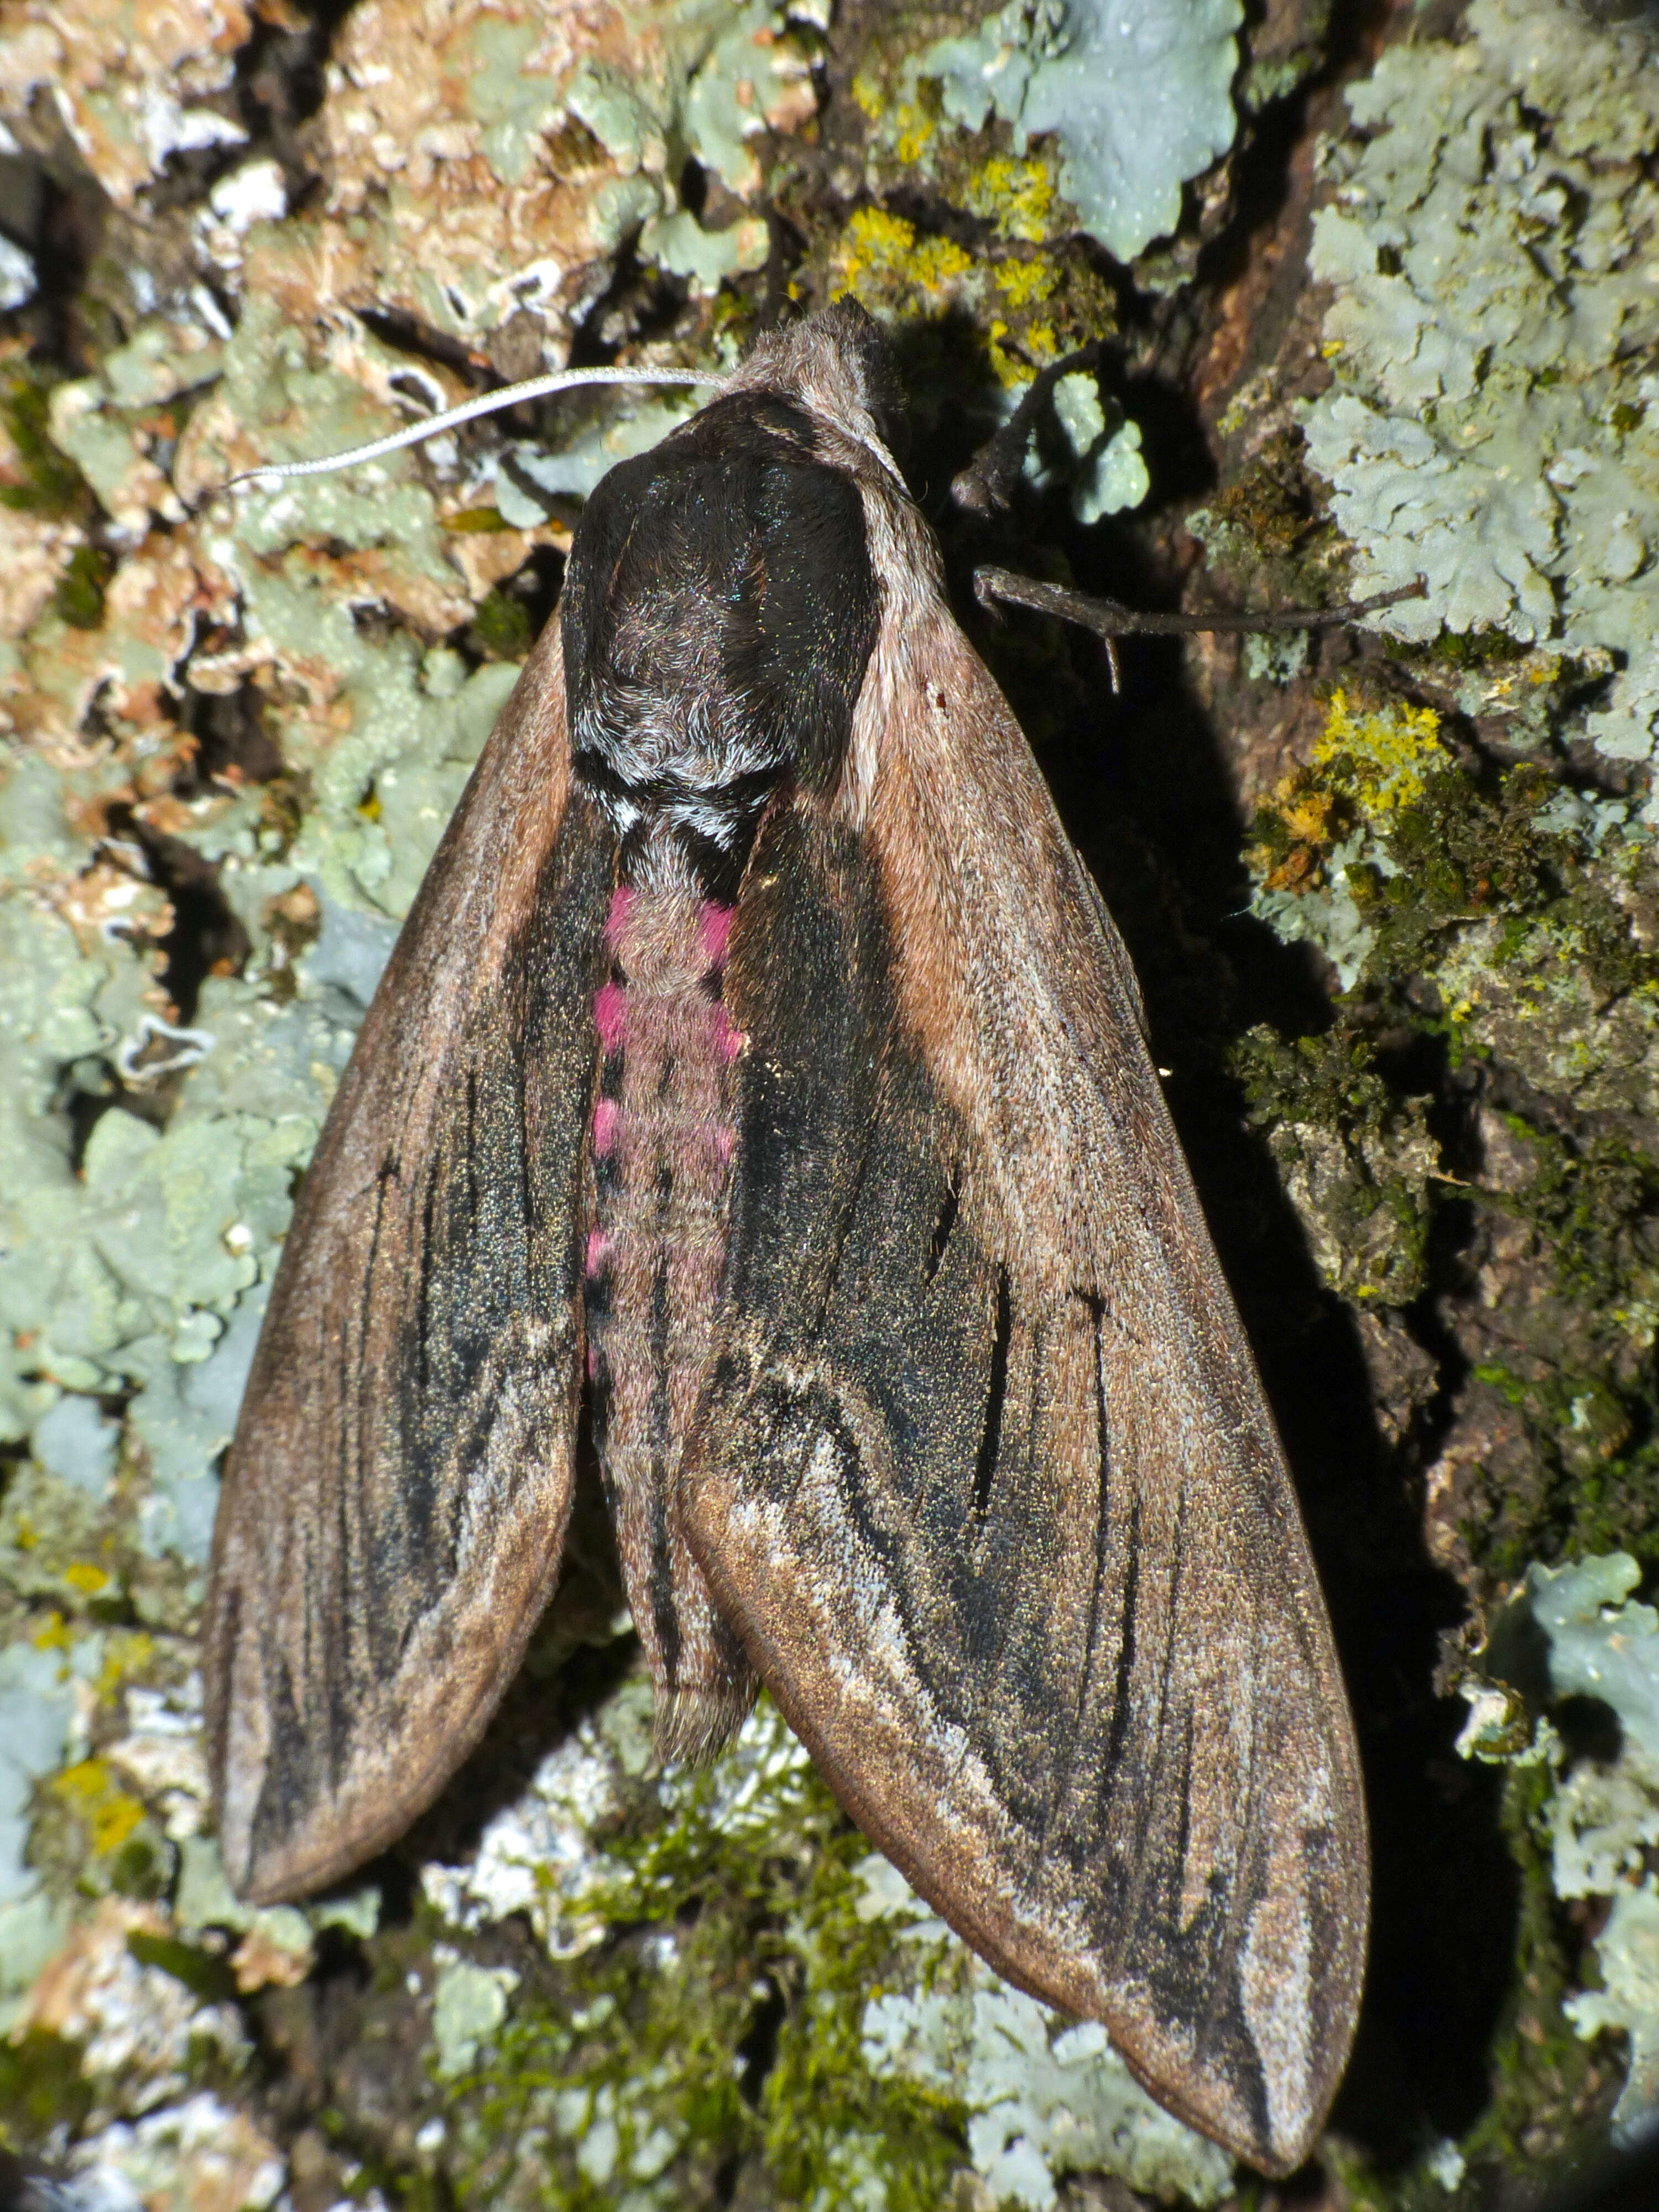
point(1205, 1833)
point(985, 1478)
point(396, 1496)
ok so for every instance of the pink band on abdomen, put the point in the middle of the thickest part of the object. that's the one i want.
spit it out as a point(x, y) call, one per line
point(728, 1040)
point(610, 1016)
point(714, 930)
point(620, 899)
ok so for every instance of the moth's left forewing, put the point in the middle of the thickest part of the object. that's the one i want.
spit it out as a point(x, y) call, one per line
point(986, 1478)
point(395, 1499)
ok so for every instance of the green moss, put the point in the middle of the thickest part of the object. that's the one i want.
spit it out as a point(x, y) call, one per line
point(1329, 1080)
point(1543, 2076)
point(42, 2091)
point(1475, 649)
point(1580, 1370)
point(733, 1985)
point(1518, 898)
point(51, 484)
point(1355, 1157)
point(79, 597)
point(1598, 1203)
point(203, 1973)
point(1586, 1493)
point(1547, 2085)
point(488, 521)
point(1268, 506)
point(723, 2025)
point(501, 627)
point(1459, 852)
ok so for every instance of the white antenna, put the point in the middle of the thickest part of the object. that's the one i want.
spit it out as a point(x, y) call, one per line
point(434, 425)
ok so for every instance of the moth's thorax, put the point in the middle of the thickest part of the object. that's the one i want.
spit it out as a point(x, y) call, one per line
point(718, 616)
point(662, 1146)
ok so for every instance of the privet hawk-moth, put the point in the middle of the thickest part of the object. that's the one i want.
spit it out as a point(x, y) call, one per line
point(759, 1066)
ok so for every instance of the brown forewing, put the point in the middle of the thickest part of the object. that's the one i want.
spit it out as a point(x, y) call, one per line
point(985, 1478)
point(396, 1496)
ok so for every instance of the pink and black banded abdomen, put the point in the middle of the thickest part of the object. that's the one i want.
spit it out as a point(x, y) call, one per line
point(656, 1253)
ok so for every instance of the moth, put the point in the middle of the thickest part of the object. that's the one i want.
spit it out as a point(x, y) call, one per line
point(759, 1075)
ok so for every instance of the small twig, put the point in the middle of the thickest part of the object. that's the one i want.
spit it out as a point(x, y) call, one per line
point(1110, 619)
point(985, 486)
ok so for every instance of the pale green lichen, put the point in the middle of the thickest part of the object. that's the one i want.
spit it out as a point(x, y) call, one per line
point(1355, 1161)
point(1137, 93)
point(1044, 2100)
point(585, 132)
point(749, 68)
point(37, 1709)
point(1491, 426)
point(1601, 1816)
point(468, 2006)
point(150, 1159)
point(679, 244)
point(199, 2151)
point(573, 468)
point(129, 81)
point(1109, 475)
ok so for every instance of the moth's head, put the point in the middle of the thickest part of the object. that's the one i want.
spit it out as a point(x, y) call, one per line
point(837, 363)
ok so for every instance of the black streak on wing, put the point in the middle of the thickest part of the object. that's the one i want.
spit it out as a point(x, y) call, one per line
point(990, 1443)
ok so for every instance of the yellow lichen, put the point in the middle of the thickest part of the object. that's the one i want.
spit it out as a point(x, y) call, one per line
point(1023, 283)
point(1306, 812)
point(80, 1574)
point(915, 129)
point(1036, 345)
point(99, 1803)
point(1376, 762)
point(869, 96)
point(1384, 755)
point(1017, 196)
point(129, 1651)
point(883, 261)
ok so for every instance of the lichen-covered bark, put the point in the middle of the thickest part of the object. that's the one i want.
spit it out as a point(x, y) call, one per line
point(1392, 894)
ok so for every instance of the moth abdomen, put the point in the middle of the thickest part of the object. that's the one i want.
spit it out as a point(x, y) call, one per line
point(662, 1141)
